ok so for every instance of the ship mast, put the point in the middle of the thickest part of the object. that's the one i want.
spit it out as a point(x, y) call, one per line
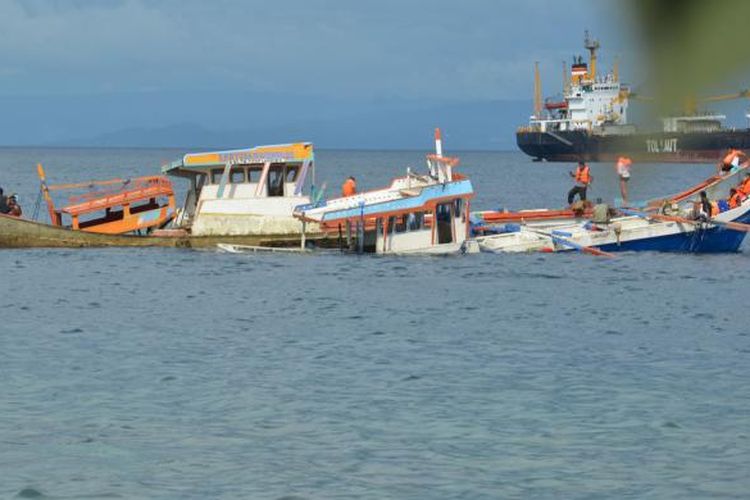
point(616, 70)
point(592, 46)
point(537, 92)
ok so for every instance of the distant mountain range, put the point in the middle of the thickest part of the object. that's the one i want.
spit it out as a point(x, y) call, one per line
point(226, 120)
point(241, 119)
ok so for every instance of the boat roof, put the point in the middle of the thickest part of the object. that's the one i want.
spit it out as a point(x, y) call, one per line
point(277, 153)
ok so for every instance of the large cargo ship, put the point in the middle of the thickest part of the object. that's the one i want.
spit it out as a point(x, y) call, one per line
point(590, 123)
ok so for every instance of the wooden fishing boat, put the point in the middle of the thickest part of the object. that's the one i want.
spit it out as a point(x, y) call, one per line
point(123, 206)
point(679, 226)
point(492, 222)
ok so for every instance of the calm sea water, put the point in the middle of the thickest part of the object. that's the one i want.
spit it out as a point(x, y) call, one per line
point(159, 373)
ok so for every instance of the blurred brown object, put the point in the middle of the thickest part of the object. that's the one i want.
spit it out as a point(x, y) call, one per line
point(694, 46)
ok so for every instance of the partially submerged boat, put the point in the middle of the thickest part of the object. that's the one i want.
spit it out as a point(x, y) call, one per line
point(416, 213)
point(116, 206)
point(242, 197)
point(244, 192)
point(676, 226)
point(22, 233)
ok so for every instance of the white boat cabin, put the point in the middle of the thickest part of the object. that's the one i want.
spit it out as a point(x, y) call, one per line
point(245, 191)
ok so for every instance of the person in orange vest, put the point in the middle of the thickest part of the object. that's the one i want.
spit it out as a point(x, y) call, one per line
point(744, 186)
point(14, 207)
point(735, 198)
point(623, 172)
point(583, 179)
point(732, 159)
point(349, 188)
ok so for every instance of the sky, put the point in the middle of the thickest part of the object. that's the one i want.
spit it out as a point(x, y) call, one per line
point(95, 70)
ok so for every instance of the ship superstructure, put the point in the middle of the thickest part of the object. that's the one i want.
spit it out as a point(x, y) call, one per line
point(590, 100)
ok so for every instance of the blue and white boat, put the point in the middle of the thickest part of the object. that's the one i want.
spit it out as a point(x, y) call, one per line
point(676, 226)
point(417, 213)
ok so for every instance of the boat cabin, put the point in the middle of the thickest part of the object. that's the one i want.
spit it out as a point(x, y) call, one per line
point(244, 191)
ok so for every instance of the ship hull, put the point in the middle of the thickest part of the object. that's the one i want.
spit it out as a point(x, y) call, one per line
point(658, 147)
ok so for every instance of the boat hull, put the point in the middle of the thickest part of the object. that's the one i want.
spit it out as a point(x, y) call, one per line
point(21, 233)
point(631, 233)
point(657, 147)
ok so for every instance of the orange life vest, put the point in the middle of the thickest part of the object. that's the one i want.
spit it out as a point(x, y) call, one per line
point(744, 186)
point(736, 200)
point(623, 166)
point(349, 188)
point(583, 175)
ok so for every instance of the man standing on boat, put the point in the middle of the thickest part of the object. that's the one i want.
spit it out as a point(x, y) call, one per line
point(623, 172)
point(349, 188)
point(583, 178)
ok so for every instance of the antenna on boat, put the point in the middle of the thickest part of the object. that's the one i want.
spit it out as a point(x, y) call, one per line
point(438, 143)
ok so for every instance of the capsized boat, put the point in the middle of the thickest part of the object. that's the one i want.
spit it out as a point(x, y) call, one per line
point(416, 213)
point(242, 192)
point(116, 206)
point(678, 226)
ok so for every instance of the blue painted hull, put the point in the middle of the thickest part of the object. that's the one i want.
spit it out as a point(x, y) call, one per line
point(712, 240)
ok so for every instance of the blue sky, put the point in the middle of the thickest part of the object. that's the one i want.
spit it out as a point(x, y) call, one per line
point(137, 64)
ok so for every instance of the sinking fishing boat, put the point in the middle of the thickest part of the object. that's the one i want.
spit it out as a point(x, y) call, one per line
point(677, 226)
point(131, 212)
point(245, 191)
point(416, 213)
point(116, 206)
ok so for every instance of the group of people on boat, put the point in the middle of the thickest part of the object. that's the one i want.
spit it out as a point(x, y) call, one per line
point(707, 208)
point(9, 204)
point(583, 179)
point(733, 159)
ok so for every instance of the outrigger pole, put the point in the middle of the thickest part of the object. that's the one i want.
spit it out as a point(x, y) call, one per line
point(53, 217)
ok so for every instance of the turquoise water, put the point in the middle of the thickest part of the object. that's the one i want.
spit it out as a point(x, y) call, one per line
point(154, 373)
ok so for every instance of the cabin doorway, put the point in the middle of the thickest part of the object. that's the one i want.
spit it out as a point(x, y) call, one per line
point(444, 223)
point(275, 182)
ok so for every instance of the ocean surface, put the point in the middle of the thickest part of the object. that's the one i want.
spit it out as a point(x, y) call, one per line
point(166, 373)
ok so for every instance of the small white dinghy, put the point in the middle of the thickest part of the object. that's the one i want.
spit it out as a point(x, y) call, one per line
point(229, 248)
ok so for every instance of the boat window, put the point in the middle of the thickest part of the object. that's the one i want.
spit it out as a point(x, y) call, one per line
point(391, 224)
point(379, 226)
point(253, 173)
point(415, 221)
point(276, 180)
point(216, 174)
point(237, 175)
point(292, 171)
point(459, 208)
point(401, 223)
